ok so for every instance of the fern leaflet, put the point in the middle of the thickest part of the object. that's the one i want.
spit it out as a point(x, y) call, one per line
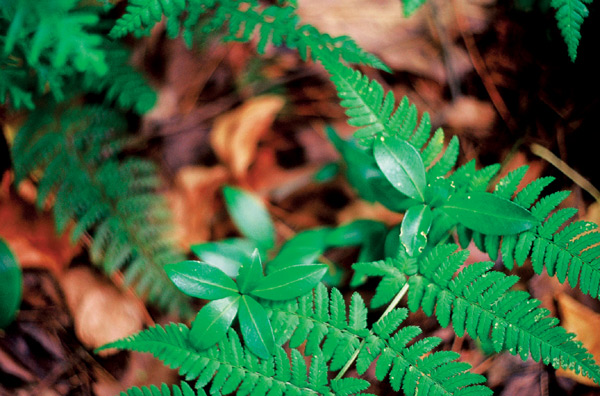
point(114, 200)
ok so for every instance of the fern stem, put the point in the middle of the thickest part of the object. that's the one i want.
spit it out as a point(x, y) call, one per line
point(389, 309)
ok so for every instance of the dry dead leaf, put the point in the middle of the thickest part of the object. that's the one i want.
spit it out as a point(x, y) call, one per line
point(471, 113)
point(194, 202)
point(101, 312)
point(31, 234)
point(584, 322)
point(406, 44)
point(236, 134)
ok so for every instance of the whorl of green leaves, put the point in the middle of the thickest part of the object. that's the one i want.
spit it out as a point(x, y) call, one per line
point(113, 200)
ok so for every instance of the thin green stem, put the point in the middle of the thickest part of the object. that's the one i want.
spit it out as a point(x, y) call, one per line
point(389, 309)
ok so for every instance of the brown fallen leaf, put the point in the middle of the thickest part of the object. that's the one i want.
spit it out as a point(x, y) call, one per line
point(360, 209)
point(101, 312)
point(472, 114)
point(236, 134)
point(406, 44)
point(31, 234)
point(584, 322)
point(194, 201)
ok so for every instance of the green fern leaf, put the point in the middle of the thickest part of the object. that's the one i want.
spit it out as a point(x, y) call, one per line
point(480, 303)
point(164, 390)
point(569, 16)
point(77, 152)
point(409, 7)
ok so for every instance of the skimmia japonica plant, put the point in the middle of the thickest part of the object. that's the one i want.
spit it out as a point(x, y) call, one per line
point(295, 333)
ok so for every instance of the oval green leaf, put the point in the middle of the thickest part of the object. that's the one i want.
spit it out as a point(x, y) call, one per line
point(250, 273)
point(198, 279)
point(256, 328)
point(225, 256)
point(250, 216)
point(414, 229)
point(213, 321)
point(11, 285)
point(290, 282)
point(489, 214)
point(402, 165)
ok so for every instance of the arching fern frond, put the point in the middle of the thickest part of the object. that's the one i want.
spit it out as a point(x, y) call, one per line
point(228, 366)
point(569, 16)
point(164, 390)
point(479, 302)
point(113, 200)
point(336, 332)
point(243, 21)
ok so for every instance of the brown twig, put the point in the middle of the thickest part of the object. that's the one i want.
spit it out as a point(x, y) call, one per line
point(481, 68)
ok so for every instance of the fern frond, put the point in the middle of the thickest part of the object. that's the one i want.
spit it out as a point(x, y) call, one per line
point(228, 365)
point(78, 154)
point(243, 20)
point(569, 17)
point(164, 390)
point(479, 302)
point(319, 319)
point(123, 86)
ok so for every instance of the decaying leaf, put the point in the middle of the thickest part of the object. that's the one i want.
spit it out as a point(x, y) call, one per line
point(236, 134)
point(31, 234)
point(101, 312)
point(194, 200)
point(581, 320)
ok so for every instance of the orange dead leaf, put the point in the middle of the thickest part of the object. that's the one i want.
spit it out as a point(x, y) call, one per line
point(31, 234)
point(579, 319)
point(236, 134)
point(101, 312)
point(194, 200)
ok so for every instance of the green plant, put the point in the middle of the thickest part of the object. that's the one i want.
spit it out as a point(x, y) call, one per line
point(11, 285)
point(54, 56)
point(396, 160)
point(285, 314)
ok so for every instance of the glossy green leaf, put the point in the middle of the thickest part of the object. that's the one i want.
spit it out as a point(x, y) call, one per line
point(11, 285)
point(250, 216)
point(365, 176)
point(256, 328)
point(213, 321)
point(290, 282)
point(224, 255)
point(489, 213)
point(414, 229)
point(401, 163)
point(304, 248)
point(198, 279)
point(251, 273)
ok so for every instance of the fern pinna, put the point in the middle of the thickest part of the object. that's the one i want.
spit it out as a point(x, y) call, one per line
point(114, 200)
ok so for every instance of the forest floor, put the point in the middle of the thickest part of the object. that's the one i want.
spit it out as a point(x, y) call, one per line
point(496, 76)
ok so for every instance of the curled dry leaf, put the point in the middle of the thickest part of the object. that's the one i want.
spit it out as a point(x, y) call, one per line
point(194, 201)
point(581, 320)
point(101, 312)
point(31, 235)
point(236, 134)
